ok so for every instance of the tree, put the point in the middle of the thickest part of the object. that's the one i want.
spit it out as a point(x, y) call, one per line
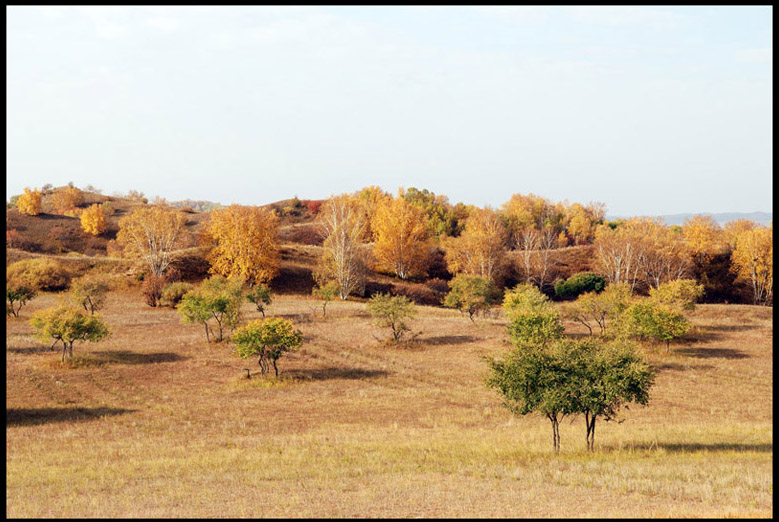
point(391, 311)
point(608, 377)
point(246, 243)
point(151, 233)
point(68, 324)
point(93, 219)
point(680, 293)
point(174, 292)
point(471, 294)
point(66, 199)
point(344, 227)
point(327, 293)
point(535, 248)
point(480, 249)
point(620, 252)
point(217, 298)
point(752, 260)
point(369, 199)
point(260, 296)
point(599, 308)
point(441, 217)
point(267, 338)
point(538, 379)
point(656, 322)
point(703, 236)
point(29, 202)
point(89, 292)
point(533, 319)
point(400, 233)
point(17, 293)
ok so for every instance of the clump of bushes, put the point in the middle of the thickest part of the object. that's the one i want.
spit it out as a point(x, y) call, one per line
point(39, 274)
point(578, 284)
point(471, 294)
point(173, 293)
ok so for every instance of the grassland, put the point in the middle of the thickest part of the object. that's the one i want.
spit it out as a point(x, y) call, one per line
point(157, 423)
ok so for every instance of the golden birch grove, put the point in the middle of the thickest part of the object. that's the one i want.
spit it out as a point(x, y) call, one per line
point(151, 233)
point(752, 260)
point(401, 239)
point(480, 249)
point(704, 237)
point(246, 244)
point(344, 226)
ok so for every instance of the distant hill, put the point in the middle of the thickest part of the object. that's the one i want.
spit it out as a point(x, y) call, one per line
point(762, 218)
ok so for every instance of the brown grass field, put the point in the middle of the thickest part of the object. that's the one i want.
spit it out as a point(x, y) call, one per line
point(157, 423)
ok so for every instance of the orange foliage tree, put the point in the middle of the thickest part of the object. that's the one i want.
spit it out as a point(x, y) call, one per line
point(93, 219)
point(480, 249)
point(401, 240)
point(151, 233)
point(29, 202)
point(245, 243)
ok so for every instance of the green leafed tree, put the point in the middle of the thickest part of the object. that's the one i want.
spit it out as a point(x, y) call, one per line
point(218, 298)
point(471, 294)
point(392, 311)
point(17, 294)
point(533, 319)
point(326, 292)
point(267, 339)
point(90, 291)
point(68, 324)
point(260, 296)
point(646, 319)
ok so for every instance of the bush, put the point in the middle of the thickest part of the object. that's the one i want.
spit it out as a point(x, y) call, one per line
point(416, 292)
point(533, 319)
point(152, 288)
point(579, 283)
point(680, 293)
point(39, 274)
point(175, 292)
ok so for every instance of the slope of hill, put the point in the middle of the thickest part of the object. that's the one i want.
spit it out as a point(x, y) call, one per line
point(761, 218)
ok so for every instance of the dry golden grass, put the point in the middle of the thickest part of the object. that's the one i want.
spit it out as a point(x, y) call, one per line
point(155, 422)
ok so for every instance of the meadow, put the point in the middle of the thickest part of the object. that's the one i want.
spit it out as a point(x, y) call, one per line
point(155, 422)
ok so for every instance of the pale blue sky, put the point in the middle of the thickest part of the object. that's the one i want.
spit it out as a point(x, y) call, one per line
point(651, 110)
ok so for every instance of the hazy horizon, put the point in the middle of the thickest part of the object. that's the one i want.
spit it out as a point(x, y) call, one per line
point(650, 110)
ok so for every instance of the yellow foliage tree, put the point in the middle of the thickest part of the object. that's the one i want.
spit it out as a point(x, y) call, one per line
point(370, 198)
point(480, 249)
point(29, 202)
point(245, 243)
point(753, 262)
point(401, 240)
point(732, 229)
point(151, 233)
point(703, 236)
point(93, 219)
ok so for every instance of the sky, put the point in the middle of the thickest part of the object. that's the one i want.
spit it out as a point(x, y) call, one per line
point(650, 110)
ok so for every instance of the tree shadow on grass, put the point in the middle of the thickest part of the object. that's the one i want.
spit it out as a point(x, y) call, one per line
point(35, 349)
point(448, 339)
point(325, 374)
point(712, 353)
point(127, 357)
point(694, 447)
point(36, 416)
point(681, 367)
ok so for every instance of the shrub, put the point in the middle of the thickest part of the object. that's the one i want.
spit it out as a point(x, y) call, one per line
point(39, 273)
point(267, 338)
point(391, 311)
point(152, 288)
point(579, 283)
point(66, 199)
point(647, 319)
point(533, 319)
point(173, 293)
point(416, 292)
